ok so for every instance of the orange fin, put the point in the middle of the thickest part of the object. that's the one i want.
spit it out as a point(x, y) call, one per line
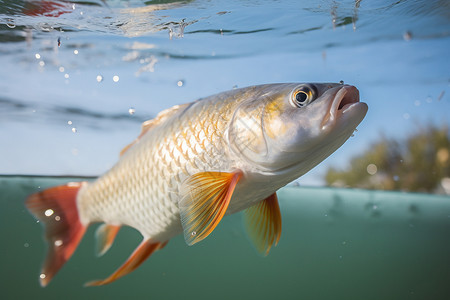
point(149, 124)
point(56, 208)
point(142, 252)
point(205, 199)
point(105, 235)
point(263, 223)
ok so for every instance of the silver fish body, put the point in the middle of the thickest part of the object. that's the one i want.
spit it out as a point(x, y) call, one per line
point(232, 151)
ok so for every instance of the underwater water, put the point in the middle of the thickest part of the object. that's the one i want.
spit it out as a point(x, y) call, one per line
point(336, 244)
point(77, 78)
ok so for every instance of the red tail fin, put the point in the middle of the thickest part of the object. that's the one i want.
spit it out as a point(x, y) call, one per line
point(56, 208)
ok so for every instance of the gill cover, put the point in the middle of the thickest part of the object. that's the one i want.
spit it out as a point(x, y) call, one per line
point(267, 125)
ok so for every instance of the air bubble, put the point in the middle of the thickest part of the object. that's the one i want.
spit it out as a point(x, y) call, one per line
point(66, 76)
point(26, 245)
point(75, 52)
point(48, 212)
point(115, 78)
point(74, 129)
point(180, 83)
point(42, 276)
point(99, 78)
point(131, 110)
point(37, 55)
point(58, 243)
point(193, 233)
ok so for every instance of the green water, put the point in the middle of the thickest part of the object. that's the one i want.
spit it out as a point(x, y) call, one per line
point(336, 244)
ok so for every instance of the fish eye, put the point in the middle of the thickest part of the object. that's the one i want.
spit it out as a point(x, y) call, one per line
point(302, 96)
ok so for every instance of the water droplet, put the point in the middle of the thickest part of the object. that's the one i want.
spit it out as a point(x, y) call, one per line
point(440, 96)
point(180, 83)
point(131, 110)
point(99, 78)
point(10, 23)
point(372, 169)
point(75, 52)
point(42, 276)
point(74, 129)
point(37, 55)
point(115, 78)
point(407, 36)
point(48, 212)
point(193, 233)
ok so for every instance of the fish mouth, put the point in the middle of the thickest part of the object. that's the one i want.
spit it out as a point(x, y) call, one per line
point(345, 99)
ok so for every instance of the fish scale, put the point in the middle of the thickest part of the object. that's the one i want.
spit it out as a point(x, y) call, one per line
point(178, 149)
point(195, 163)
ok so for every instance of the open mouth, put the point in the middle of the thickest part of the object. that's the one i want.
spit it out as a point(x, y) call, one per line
point(345, 97)
point(344, 100)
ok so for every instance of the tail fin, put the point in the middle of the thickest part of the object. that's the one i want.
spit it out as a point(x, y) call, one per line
point(56, 208)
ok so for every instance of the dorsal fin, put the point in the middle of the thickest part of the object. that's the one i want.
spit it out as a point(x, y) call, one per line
point(149, 124)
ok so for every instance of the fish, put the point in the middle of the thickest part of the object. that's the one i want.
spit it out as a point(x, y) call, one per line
point(195, 163)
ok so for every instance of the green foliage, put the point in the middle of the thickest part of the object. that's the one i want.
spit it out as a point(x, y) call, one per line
point(416, 164)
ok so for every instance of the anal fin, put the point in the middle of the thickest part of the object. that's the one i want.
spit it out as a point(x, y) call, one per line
point(104, 236)
point(263, 223)
point(142, 252)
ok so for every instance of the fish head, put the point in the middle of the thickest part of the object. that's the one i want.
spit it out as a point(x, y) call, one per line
point(293, 127)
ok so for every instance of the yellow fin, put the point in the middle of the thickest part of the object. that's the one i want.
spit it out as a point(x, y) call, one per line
point(142, 252)
point(105, 235)
point(263, 223)
point(205, 199)
point(149, 124)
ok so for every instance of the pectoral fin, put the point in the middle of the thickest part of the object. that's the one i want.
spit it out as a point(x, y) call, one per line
point(263, 223)
point(204, 200)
